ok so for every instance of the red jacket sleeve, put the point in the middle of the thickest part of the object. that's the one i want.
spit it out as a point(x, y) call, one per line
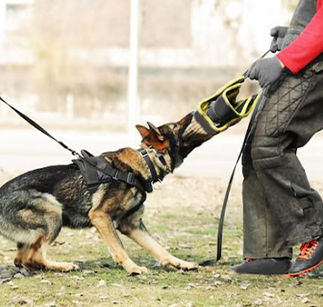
point(307, 46)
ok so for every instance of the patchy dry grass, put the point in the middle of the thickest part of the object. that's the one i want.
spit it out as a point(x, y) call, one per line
point(183, 217)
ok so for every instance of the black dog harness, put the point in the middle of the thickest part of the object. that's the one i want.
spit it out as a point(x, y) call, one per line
point(154, 177)
point(97, 170)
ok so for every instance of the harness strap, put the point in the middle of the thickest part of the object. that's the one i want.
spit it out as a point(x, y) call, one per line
point(97, 170)
point(133, 209)
point(161, 158)
point(90, 175)
point(143, 152)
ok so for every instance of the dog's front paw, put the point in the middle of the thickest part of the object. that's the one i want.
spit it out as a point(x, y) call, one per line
point(181, 264)
point(139, 270)
point(188, 266)
point(133, 268)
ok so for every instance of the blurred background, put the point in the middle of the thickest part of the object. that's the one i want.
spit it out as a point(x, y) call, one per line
point(89, 70)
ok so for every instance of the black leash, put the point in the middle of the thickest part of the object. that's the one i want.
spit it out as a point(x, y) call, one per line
point(96, 170)
point(40, 128)
point(248, 135)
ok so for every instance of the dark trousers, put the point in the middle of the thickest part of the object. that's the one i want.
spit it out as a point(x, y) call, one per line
point(279, 206)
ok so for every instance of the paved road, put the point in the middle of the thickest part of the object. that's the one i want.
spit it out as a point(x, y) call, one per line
point(23, 150)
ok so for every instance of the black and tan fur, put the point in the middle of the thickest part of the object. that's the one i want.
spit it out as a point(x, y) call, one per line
point(34, 206)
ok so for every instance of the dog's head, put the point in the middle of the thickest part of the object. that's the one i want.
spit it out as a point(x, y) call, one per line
point(169, 138)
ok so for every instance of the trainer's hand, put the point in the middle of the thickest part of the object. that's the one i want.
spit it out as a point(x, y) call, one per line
point(266, 71)
point(278, 33)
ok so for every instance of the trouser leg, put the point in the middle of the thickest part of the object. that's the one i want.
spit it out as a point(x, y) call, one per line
point(277, 196)
point(261, 234)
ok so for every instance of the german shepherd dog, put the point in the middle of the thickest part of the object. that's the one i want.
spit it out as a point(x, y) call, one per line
point(35, 205)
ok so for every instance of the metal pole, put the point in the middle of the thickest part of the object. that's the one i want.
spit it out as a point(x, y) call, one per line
point(133, 68)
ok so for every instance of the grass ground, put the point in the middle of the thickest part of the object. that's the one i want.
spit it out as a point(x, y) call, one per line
point(183, 217)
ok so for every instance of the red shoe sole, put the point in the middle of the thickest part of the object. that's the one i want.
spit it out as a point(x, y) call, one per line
point(305, 271)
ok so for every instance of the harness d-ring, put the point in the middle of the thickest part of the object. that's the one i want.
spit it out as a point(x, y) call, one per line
point(157, 185)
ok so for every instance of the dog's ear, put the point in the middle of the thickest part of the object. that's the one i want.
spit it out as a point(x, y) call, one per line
point(153, 128)
point(155, 131)
point(152, 137)
point(143, 130)
point(186, 119)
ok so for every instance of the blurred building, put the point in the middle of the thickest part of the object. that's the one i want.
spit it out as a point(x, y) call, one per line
point(172, 33)
point(15, 15)
point(58, 55)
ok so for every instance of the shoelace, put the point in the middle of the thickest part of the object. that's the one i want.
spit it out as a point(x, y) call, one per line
point(307, 249)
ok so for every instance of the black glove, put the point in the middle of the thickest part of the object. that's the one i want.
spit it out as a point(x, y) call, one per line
point(266, 71)
point(278, 33)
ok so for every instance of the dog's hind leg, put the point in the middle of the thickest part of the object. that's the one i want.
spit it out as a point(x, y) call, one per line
point(21, 257)
point(104, 224)
point(35, 226)
point(134, 228)
point(36, 258)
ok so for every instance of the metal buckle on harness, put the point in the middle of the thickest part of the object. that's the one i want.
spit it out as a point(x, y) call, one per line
point(131, 178)
point(115, 176)
point(143, 152)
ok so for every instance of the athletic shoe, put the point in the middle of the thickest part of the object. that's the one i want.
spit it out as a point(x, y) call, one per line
point(309, 258)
